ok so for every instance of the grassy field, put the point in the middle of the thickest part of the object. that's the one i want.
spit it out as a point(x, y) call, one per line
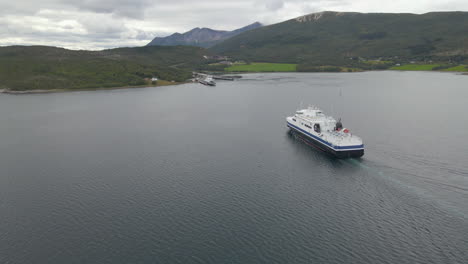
point(459, 68)
point(312, 68)
point(263, 67)
point(430, 67)
point(415, 67)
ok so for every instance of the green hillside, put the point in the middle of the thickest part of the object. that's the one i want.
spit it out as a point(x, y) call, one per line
point(262, 67)
point(39, 67)
point(349, 39)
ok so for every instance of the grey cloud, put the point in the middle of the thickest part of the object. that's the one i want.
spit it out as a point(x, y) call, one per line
point(121, 8)
point(126, 8)
point(70, 40)
point(274, 5)
point(103, 25)
point(450, 5)
point(18, 7)
point(142, 35)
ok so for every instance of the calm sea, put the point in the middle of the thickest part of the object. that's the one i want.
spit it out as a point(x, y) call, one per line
point(197, 174)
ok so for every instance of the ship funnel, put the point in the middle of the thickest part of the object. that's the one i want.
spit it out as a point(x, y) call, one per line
point(339, 125)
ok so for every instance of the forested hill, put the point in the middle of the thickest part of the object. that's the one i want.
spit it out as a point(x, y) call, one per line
point(329, 38)
point(41, 67)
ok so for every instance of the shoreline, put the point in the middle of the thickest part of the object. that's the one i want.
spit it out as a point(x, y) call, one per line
point(42, 91)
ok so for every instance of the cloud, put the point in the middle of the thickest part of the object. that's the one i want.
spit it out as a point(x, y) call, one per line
point(99, 24)
point(71, 29)
point(121, 8)
point(274, 5)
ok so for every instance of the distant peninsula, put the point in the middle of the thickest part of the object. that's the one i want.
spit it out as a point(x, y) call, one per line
point(49, 68)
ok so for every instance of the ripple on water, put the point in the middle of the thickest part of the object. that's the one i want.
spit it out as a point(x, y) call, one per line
point(210, 175)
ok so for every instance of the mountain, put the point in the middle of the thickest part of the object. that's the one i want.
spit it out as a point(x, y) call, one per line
point(337, 38)
point(42, 68)
point(201, 37)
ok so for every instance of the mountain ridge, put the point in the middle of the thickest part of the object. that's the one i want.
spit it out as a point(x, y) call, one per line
point(201, 37)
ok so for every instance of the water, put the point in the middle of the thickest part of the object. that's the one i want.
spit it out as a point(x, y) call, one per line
point(197, 174)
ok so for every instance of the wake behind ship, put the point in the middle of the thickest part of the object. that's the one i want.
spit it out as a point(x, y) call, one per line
point(325, 133)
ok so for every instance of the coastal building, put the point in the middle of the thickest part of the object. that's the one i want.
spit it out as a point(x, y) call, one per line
point(215, 57)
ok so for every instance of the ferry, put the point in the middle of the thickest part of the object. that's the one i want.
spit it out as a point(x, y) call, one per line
point(325, 133)
point(208, 80)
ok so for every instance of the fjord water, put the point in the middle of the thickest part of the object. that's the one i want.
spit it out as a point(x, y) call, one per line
point(197, 174)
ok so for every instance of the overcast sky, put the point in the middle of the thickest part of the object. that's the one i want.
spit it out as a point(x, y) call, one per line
point(100, 24)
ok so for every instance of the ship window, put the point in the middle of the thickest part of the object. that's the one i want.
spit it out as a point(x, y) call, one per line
point(317, 128)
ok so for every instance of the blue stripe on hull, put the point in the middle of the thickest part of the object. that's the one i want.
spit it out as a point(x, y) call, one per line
point(325, 143)
point(343, 154)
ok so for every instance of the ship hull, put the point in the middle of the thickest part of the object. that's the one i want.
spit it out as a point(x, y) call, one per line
point(341, 154)
point(207, 83)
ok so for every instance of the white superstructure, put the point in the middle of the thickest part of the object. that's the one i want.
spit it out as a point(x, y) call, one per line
point(326, 133)
point(207, 80)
